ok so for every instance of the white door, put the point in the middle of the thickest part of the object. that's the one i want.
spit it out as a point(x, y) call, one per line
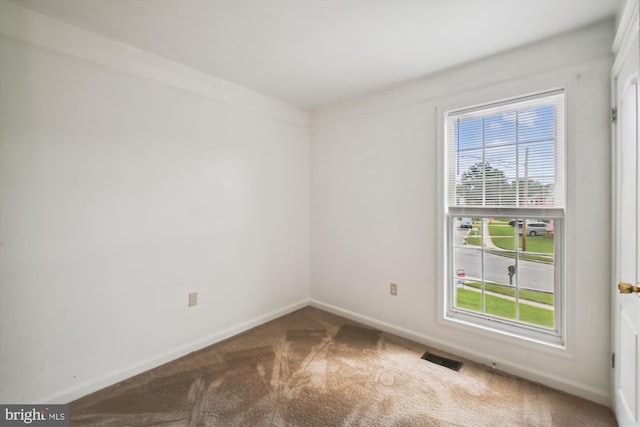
point(626, 250)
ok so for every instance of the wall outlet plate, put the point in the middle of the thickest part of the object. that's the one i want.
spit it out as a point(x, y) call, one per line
point(193, 299)
point(393, 289)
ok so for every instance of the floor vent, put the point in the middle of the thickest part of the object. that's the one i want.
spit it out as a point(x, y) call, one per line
point(443, 361)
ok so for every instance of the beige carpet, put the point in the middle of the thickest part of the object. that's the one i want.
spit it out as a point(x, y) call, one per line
point(311, 368)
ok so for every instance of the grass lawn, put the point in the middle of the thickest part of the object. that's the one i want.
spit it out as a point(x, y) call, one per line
point(501, 228)
point(541, 297)
point(503, 236)
point(472, 300)
point(474, 240)
point(474, 237)
point(542, 244)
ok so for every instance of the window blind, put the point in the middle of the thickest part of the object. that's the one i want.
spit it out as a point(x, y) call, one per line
point(508, 155)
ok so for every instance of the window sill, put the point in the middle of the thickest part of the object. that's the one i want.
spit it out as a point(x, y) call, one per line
point(486, 328)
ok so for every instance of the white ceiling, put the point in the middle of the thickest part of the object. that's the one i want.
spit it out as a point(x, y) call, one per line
point(312, 53)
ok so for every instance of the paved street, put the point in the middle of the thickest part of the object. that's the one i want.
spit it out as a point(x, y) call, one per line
point(532, 275)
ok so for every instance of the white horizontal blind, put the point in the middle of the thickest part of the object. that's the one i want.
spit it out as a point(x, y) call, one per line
point(508, 155)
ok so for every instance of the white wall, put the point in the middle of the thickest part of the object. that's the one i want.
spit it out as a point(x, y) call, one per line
point(126, 182)
point(376, 218)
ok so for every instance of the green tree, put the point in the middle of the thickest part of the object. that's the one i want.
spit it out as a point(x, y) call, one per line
point(482, 184)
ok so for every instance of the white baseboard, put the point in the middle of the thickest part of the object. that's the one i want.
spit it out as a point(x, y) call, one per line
point(110, 378)
point(563, 384)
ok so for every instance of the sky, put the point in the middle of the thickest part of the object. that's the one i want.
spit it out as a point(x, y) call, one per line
point(523, 138)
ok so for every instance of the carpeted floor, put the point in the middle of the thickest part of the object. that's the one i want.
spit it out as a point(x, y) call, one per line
point(312, 368)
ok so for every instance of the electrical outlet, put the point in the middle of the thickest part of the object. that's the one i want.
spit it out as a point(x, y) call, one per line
point(193, 299)
point(394, 289)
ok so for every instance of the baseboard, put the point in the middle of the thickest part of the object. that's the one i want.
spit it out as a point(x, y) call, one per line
point(72, 393)
point(563, 384)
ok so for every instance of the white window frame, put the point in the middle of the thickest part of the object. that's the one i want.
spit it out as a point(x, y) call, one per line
point(555, 337)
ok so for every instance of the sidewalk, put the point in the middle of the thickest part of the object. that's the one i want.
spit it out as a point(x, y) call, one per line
point(488, 240)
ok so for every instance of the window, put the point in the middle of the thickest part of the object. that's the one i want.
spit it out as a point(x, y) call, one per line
point(505, 209)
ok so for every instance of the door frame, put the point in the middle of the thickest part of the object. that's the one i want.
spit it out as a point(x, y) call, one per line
point(626, 32)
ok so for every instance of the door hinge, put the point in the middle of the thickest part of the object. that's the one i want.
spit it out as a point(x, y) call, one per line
point(614, 115)
point(613, 360)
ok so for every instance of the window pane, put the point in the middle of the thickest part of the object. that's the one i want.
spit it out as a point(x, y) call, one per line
point(499, 272)
point(535, 291)
point(537, 123)
point(468, 265)
point(508, 158)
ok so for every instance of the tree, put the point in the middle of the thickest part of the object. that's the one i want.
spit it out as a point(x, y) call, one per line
point(482, 184)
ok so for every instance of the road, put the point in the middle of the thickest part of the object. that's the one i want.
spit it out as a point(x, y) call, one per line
point(532, 275)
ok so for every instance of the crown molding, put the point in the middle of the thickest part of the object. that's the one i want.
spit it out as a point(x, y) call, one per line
point(626, 32)
point(26, 25)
